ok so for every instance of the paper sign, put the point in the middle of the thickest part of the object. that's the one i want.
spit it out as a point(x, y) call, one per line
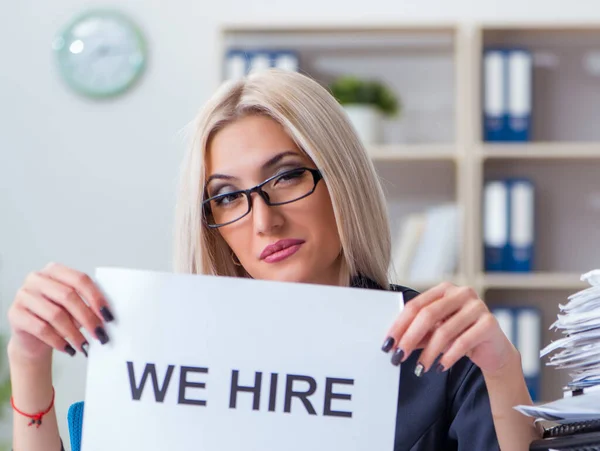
point(218, 364)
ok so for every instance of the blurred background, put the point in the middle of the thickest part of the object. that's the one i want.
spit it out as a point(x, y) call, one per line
point(480, 117)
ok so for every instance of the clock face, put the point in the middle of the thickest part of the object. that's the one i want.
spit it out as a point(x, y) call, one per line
point(100, 54)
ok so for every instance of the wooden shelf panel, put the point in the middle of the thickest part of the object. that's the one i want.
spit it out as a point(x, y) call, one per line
point(314, 27)
point(532, 281)
point(413, 152)
point(559, 150)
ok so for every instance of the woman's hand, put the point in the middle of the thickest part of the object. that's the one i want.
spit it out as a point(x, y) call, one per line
point(454, 322)
point(49, 310)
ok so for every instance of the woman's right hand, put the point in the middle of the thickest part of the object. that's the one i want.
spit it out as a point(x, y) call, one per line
point(50, 309)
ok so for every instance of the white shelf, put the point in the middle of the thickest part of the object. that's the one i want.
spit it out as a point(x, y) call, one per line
point(532, 281)
point(362, 26)
point(413, 152)
point(541, 150)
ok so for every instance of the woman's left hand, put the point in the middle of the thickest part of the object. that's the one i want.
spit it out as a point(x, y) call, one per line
point(452, 321)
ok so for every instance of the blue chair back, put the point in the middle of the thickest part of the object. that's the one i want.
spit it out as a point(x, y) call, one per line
point(75, 422)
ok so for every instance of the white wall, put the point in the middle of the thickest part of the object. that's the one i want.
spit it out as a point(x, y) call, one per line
point(91, 184)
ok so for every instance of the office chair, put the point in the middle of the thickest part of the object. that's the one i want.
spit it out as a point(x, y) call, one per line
point(75, 421)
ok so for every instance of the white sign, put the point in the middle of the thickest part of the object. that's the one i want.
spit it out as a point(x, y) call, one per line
point(222, 364)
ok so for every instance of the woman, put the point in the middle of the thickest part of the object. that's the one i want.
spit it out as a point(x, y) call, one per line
point(277, 186)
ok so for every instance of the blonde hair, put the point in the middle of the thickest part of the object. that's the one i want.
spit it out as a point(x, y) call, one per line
point(319, 126)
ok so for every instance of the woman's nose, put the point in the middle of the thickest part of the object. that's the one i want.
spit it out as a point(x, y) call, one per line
point(266, 219)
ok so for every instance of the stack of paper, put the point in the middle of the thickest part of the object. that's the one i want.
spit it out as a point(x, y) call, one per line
point(570, 409)
point(579, 351)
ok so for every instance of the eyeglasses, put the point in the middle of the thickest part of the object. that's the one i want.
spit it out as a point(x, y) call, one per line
point(284, 188)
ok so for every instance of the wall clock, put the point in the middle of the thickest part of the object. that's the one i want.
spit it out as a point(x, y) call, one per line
point(101, 53)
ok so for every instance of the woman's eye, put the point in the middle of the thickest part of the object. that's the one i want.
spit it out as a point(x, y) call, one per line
point(228, 199)
point(225, 189)
point(289, 176)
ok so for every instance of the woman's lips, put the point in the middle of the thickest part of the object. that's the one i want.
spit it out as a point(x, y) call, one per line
point(281, 250)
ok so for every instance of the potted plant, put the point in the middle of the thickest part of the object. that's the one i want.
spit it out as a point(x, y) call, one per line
point(366, 102)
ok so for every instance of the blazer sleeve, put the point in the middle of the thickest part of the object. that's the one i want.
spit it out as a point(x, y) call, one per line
point(471, 421)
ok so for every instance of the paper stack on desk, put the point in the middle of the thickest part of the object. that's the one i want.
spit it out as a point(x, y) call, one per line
point(579, 321)
point(570, 409)
point(578, 352)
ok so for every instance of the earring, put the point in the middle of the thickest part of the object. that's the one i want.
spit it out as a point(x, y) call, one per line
point(235, 260)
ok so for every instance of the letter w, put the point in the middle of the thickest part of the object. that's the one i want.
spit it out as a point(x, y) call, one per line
point(159, 392)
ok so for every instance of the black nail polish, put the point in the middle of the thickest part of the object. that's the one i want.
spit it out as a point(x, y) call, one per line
point(85, 347)
point(397, 357)
point(70, 350)
point(439, 368)
point(101, 335)
point(388, 344)
point(106, 314)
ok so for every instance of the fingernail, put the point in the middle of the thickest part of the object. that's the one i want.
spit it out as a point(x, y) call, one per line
point(439, 368)
point(419, 369)
point(101, 335)
point(397, 357)
point(70, 350)
point(85, 347)
point(106, 314)
point(388, 344)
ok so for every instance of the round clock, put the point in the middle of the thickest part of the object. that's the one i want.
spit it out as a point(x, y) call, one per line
point(100, 53)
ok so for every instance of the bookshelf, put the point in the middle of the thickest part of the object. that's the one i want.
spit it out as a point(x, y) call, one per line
point(435, 153)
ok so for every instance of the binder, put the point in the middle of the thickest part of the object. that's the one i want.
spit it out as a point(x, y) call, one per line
point(523, 327)
point(436, 254)
point(495, 233)
point(519, 95)
point(579, 427)
point(240, 62)
point(521, 226)
point(579, 441)
point(507, 94)
point(494, 96)
point(260, 61)
point(528, 342)
point(236, 65)
point(287, 60)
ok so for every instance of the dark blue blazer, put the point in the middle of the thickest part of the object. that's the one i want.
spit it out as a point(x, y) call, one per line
point(441, 411)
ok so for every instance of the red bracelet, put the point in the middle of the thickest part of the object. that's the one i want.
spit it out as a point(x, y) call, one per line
point(36, 418)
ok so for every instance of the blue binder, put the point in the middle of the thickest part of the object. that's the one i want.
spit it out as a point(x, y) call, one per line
point(240, 62)
point(523, 327)
point(509, 225)
point(507, 95)
point(521, 205)
point(496, 226)
point(519, 79)
point(494, 95)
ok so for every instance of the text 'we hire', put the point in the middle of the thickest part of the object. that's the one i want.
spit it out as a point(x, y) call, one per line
point(264, 385)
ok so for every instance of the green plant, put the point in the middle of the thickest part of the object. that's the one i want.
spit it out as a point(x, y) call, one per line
point(353, 90)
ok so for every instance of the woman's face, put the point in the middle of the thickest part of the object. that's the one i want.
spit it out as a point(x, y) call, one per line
point(244, 154)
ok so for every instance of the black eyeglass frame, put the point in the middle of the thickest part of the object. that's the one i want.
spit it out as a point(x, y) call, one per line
point(264, 195)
